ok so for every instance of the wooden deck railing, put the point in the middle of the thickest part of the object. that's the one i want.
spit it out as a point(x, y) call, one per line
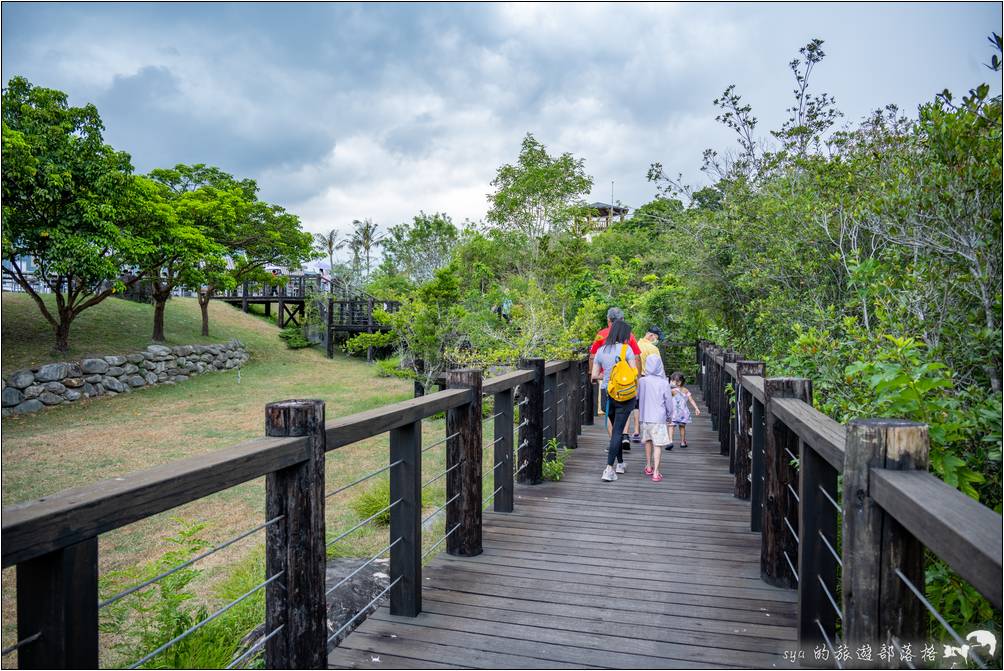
point(53, 541)
point(789, 458)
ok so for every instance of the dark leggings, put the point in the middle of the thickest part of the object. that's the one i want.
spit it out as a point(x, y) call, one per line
point(619, 412)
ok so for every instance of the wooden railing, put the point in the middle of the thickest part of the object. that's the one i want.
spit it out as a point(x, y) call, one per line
point(53, 541)
point(854, 551)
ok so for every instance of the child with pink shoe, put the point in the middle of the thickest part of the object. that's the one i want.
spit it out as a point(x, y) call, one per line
point(655, 411)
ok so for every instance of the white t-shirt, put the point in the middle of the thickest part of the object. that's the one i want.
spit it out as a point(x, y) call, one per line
point(606, 357)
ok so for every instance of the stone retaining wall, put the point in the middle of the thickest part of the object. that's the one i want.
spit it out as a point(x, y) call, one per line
point(59, 383)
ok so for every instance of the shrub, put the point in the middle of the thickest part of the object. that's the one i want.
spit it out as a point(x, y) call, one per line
point(392, 368)
point(555, 456)
point(293, 335)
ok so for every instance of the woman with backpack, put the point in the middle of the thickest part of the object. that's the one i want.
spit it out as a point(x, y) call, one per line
point(614, 365)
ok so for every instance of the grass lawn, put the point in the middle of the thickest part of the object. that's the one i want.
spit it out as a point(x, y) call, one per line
point(92, 440)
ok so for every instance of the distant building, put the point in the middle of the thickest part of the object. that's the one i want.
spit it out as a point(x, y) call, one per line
point(601, 215)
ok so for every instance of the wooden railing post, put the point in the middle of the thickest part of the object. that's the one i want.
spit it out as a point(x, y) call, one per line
point(57, 596)
point(244, 295)
point(589, 392)
point(817, 567)
point(531, 434)
point(757, 464)
point(464, 449)
point(725, 408)
point(876, 602)
point(715, 378)
point(743, 422)
point(329, 339)
point(503, 451)
point(550, 383)
point(295, 544)
point(778, 553)
point(406, 520)
point(570, 406)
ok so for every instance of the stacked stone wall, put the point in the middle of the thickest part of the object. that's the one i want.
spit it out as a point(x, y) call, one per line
point(98, 377)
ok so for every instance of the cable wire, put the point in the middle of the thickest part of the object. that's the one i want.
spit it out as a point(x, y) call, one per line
point(364, 478)
point(23, 642)
point(790, 565)
point(440, 442)
point(492, 495)
point(255, 647)
point(794, 493)
point(363, 565)
point(441, 540)
point(365, 608)
point(204, 622)
point(368, 519)
point(136, 588)
point(441, 508)
point(829, 644)
point(791, 529)
point(830, 547)
point(831, 500)
point(442, 474)
point(829, 595)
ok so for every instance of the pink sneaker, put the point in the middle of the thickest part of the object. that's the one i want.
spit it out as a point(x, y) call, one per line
point(656, 477)
point(648, 470)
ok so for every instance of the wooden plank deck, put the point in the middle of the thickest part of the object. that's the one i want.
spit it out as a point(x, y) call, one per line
point(588, 574)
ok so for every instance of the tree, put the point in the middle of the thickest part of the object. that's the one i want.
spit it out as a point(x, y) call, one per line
point(366, 236)
point(539, 195)
point(256, 234)
point(327, 242)
point(188, 245)
point(422, 247)
point(70, 203)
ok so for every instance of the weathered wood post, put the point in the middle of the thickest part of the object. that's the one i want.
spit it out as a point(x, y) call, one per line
point(589, 391)
point(464, 449)
point(877, 603)
point(549, 393)
point(743, 423)
point(503, 451)
point(778, 547)
point(295, 544)
point(725, 408)
point(244, 298)
point(406, 519)
point(757, 467)
point(57, 597)
point(817, 567)
point(531, 433)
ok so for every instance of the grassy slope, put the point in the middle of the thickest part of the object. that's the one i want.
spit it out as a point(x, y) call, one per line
point(92, 440)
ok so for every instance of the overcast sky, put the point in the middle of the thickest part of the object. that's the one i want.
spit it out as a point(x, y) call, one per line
point(364, 110)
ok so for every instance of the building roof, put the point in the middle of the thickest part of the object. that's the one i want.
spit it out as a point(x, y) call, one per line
point(607, 208)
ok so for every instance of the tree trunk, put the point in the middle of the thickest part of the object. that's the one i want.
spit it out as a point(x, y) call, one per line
point(63, 333)
point(160, 302)
point(204, 306)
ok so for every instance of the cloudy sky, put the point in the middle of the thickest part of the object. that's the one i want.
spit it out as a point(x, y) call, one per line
point(345, 111)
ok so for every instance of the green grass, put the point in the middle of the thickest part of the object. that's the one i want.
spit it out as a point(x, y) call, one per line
point(85, 442)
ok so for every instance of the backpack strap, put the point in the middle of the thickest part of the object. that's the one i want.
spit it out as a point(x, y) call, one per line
point(623, 356)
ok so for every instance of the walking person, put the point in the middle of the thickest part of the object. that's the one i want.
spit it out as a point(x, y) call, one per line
point(613, 315)
point(655, 409)
point(681, 413)
point(615, 366)
point(648, 346)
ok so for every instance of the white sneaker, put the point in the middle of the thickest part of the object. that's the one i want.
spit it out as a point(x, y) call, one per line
point(621, 467)
point(608, 474)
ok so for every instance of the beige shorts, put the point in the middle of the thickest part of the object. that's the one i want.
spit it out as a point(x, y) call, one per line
point(656, 432)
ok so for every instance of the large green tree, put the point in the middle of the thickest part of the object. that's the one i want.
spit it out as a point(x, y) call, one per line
point(71, 204)
point(420, 248)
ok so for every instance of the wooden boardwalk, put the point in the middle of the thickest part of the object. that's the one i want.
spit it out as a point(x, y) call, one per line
point(588, 574)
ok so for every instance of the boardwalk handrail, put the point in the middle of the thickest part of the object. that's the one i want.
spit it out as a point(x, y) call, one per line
point(53, 540)
point(789, 454)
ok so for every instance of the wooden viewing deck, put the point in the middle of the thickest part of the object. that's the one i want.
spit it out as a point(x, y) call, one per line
point(589, 574)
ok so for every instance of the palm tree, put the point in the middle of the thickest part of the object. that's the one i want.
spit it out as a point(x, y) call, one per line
point(327, 242)
point(352, 242)
point(366, 235)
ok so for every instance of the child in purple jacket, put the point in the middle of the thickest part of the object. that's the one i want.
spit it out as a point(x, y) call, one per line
point(655, 410)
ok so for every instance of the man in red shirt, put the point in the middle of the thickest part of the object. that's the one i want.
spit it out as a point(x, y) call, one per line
point(613, 314)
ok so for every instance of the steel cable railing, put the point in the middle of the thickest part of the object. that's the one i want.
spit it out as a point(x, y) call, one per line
point(366, 563)
point(20, 644)
point(359, 525)
point(364, 478)
point(184, 564)
point(440, 541)
point(364, 609)
point(195, 627)
point(441, 441)
point(254, 648)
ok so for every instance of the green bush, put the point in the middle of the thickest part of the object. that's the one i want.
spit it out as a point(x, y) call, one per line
point(359, 344)
point(371, 500)
point(392, 368)
point(555, 456)
point(145, 620)
point(293, 335)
